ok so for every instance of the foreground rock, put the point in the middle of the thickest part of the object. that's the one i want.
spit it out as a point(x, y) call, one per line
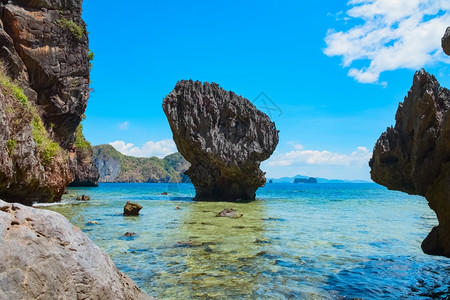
point(131, 209)
point(223, 136)
point(44, 47)
point(413, 156)
point(43, 256)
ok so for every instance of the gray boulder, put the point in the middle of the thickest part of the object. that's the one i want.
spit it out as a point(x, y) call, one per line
point(43, 256)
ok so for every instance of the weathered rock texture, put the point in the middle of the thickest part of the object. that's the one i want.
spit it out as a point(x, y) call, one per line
point(223, 136)
point(113, 166)
point(44, 49)
point(43, 256)
point(414, 155)
point(446, 41)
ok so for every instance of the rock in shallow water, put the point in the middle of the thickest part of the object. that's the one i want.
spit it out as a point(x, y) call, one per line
point(414, 156)
point(223, 136)
point(43, 256)
point(131, 209)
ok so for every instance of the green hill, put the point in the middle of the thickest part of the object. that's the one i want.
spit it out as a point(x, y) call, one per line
point(113, 166)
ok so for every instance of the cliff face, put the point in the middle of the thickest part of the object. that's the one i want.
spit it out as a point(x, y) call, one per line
point(223, 136)
point(113, 166)
point(414, 155)
point(45, 88)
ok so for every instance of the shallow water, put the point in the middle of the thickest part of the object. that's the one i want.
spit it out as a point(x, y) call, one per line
point(297, 241)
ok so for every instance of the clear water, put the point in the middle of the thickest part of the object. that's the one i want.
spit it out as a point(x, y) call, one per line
point(297, 241)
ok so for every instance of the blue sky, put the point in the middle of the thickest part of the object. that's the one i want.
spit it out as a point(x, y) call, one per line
point(337, 70)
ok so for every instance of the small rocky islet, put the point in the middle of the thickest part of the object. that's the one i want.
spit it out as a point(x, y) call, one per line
point(44, 89)
point(223, 136)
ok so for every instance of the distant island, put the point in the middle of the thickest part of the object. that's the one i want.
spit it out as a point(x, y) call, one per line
point(113, 166)
point(308, 179)
point(305, 180)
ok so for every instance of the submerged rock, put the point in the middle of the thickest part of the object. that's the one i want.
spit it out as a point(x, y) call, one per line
point(230, 213)
point(413, 156)
point(83, 198)
point(43, 256)
point(223, 136)
point(131, 209)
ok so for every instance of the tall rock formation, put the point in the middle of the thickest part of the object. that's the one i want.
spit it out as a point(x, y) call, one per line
point(414, 155)
point(43, 256)
point(223, 136)
point(45, 88)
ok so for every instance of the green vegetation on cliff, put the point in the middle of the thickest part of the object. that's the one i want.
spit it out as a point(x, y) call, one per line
point(47, 147)
point(76, 30)
point(116, 167)
point(80, 142)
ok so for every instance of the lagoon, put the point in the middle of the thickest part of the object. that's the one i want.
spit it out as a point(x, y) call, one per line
point(296, 241)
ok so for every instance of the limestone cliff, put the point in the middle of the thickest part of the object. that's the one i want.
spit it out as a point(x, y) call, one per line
point(45, 88)
point(223, 136)
point(414, 155)
point(113, 166)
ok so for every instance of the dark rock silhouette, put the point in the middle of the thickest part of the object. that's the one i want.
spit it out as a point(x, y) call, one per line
point(305, 180)
point(223, 136)
point(445, 42)
point(414, 155)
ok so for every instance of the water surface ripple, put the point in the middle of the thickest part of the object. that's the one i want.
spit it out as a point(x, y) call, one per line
point(297, 241)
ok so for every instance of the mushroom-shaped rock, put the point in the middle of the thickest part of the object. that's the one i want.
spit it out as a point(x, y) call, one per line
point(223, 136)
point(131, 209)
point(414, 155)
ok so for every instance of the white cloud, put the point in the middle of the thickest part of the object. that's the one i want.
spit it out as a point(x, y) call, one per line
point(124, 125)
point(394, 34)
point(359, 157)
point(149, 149)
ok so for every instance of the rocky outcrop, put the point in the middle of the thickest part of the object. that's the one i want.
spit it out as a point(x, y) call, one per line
point(45, 87)
point(43, 256)
point(223, 136)
point(414, 155)
point(81, 162)
point(446, 41)
point(116, 167)
point(131, 209)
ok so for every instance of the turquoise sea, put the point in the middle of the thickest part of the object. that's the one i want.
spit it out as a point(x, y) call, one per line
point(297, 241)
